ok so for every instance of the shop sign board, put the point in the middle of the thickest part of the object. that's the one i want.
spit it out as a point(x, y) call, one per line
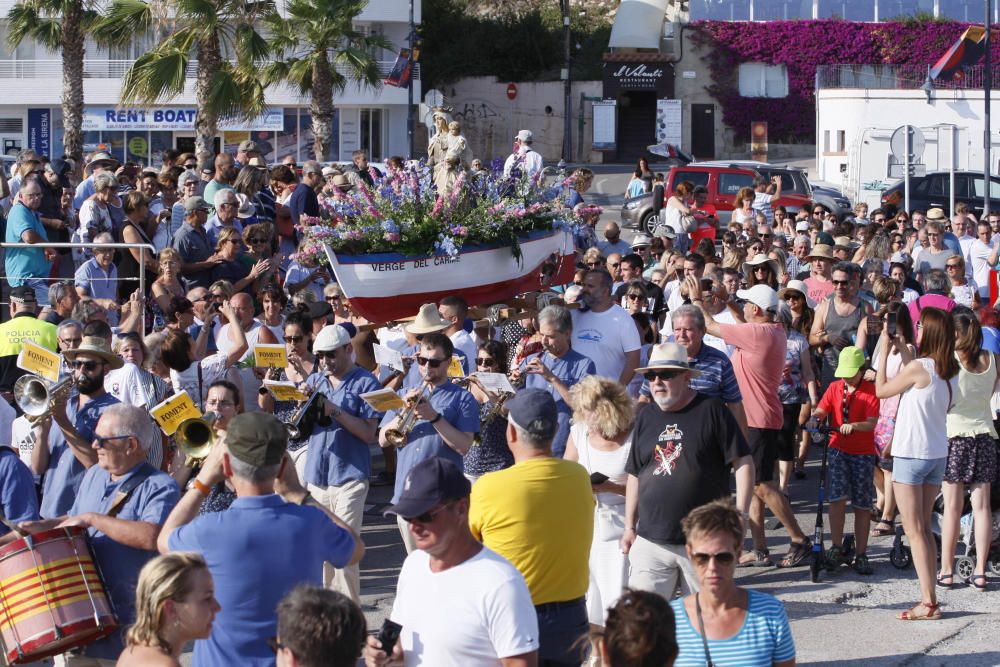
point(170, 118)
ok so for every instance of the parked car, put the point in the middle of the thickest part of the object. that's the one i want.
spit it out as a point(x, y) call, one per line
point(723, 182)
point(934, 190)
point(833, 200)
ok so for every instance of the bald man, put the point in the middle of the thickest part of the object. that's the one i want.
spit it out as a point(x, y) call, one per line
point(612, 242)
point(256, 334)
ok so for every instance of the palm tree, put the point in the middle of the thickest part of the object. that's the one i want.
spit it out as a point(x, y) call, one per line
point(58, 25)
point(221, 34)
point(317, 50)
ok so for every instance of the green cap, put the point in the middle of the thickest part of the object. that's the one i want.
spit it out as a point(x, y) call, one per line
point(256, 438)
point(851, 360)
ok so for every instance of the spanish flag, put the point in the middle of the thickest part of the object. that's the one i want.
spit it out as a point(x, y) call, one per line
point(964, 53)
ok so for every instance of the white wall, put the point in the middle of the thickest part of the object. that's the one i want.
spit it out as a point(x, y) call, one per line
point(867, 118)
point(490, 120)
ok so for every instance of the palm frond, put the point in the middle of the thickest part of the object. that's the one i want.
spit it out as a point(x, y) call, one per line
point(122, 21)
point(157, 75)
point(250, 45)
point(234, 94)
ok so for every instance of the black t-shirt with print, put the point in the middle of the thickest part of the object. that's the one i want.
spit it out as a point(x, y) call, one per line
point(682, 460)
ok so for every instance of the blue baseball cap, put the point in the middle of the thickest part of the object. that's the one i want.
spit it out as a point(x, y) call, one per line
point(534, 410)
point(428, 484)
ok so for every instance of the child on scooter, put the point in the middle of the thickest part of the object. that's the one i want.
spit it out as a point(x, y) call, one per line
point(851, 404)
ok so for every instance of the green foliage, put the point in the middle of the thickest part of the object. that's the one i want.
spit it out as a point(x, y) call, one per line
point(459, 43)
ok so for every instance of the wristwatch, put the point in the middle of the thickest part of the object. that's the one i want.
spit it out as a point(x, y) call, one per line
point(336, 411)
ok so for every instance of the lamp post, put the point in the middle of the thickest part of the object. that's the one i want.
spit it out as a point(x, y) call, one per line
point(567, 145)
point(987, 85)
point(410, 119)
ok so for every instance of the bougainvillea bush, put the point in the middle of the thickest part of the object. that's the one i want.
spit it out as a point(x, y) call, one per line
point(802, 46)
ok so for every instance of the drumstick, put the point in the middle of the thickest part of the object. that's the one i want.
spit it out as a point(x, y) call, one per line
point(10, 526)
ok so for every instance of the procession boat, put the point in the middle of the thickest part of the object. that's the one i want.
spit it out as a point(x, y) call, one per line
point(383, 287)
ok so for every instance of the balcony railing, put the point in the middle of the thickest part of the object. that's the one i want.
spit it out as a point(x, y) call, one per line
point(94, 68)
point(895, 77)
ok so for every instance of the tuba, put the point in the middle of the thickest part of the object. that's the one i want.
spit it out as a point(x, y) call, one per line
point(407, 419)
point(195, 437)
point(36, 395)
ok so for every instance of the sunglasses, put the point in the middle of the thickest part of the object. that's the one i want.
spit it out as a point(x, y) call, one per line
point(427, 516)
point(953, 266)
point(275, 645)
point(255, 241)
point(841, 283)
point(294, 339)
point(764, 236)
point(102, 442)
point(325, 354)
point(634, 297)
point(85, 365)
point(614, 264)
point(70, 341)
point(661, 375)
point(722, 558)
point(577, 282)
point(433, 363)
point(483, 361)
point(593, 264)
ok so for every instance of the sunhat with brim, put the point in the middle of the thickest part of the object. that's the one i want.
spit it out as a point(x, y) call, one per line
point(101, 158)
point(428, 320)
point(759, 259)
point(850, 361)
point(936, 214)
point(669, 357)
point(246, 209)
point(342, 182)
point(822, 251)
point(801, 288)
point(95, 346)
point(844, 242)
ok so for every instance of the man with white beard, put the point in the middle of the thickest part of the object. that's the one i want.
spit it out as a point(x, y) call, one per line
point(683, 447)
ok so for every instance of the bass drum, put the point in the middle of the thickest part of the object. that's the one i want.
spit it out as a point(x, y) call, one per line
point(52, 596)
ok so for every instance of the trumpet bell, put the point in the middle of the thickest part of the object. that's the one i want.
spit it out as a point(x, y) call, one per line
point(196, 436)
point(35, 395)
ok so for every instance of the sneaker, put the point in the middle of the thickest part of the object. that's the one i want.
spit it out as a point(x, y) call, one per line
point(834, 558)
point(862, 566)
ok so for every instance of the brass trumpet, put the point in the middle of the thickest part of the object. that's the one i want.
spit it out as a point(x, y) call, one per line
point(195, 437)
point(304, 418)
point(407, 418)
point(35, 395)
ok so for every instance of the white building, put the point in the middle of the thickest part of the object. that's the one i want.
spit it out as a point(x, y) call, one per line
point(31, 114)
point(859, 106)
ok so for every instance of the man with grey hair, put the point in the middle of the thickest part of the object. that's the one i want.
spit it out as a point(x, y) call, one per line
point(263, 546)
point(304, 200)
point(538, 514)
point(122, 502)
point(62, 298)
point(97, 278)
point(227, 205)
point(557, 368)
point(604, 331)
point(937, 290)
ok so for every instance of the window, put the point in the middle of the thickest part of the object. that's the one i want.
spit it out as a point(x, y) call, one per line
point(371, 133)
point(696, 177)
point(763, 80)
point(849, 10)
point(939, 186)
point(730, 184)
point(977, 189)
point(782, 10)
point(720, 10)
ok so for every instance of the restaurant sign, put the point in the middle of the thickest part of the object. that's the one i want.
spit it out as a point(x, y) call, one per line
point(622, 76)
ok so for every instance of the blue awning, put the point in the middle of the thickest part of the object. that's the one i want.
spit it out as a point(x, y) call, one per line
point(638, 24)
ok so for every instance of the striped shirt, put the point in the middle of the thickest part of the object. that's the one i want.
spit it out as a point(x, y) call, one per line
point(717, 379)
point(764, 639)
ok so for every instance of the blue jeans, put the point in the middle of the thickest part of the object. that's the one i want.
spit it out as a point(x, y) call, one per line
point(41, 287)
point(562, 631)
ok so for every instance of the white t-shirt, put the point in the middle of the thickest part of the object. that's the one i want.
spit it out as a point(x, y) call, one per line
point(978, 256)
point(22, 438)
point(125, 384)
point(213, 367)
point(605, 338)
point(482, 612)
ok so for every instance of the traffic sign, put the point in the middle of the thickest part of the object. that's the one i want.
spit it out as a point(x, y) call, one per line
point(898, 170)
point(898, 142)
point(511, 91)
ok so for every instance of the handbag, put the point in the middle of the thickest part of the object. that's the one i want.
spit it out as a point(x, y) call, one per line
point(689, 224)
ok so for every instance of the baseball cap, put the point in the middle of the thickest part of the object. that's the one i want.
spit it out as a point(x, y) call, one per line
point(256, 438)
point(534, 410)
point(249, 146)
point(429, 483)
point(23, 294)
point(761, 295)
point(524, 135)
point(331, 337)
point(851, 360)
point(823, 238)
point(802, 226)
point(319, 309)
point(195, 203)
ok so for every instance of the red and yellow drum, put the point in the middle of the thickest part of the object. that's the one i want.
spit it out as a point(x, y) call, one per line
point(52, 598)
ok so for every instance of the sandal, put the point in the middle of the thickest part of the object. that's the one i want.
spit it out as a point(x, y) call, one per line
point(862, 566)
point(879, 531)
point(797, 554)
point(756, 558)
point(971, 581)
point(941, 581)
point(833, 558)
point(933, 613)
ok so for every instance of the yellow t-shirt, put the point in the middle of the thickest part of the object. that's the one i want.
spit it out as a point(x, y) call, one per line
point(539, 515)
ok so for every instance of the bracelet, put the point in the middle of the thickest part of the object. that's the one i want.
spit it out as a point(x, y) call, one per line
point(435, 420)
point(203, 489)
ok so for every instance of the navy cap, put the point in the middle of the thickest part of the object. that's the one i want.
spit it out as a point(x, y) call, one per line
point(23, 294)
point(823, 238)
point(428, 484)
point(534, 410)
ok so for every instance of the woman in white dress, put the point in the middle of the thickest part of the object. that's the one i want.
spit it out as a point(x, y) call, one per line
point(600, 439)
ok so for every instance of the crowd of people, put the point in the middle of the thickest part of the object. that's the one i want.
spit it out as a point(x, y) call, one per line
point(596, 515)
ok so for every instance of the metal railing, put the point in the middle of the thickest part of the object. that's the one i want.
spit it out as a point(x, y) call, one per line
point(97, 68)
point(142, 247)
point(895, 77)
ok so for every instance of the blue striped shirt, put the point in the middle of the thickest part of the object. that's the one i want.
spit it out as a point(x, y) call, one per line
point(717, 379)
point(764, 639)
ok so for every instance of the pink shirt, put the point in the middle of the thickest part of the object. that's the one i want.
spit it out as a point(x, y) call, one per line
point(930, 300)
point(818, 289)
point(758, 362)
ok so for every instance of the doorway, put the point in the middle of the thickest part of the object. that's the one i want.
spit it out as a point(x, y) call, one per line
point(185, 144)
point(636, 124)
point(703, 131)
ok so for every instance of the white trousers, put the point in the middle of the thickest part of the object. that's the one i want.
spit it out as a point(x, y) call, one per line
point(660, 568)
point(347, 502)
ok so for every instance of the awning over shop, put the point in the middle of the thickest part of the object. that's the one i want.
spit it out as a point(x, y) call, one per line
point(638, 24)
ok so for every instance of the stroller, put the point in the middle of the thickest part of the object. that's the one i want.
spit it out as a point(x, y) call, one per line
point(965, 563)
